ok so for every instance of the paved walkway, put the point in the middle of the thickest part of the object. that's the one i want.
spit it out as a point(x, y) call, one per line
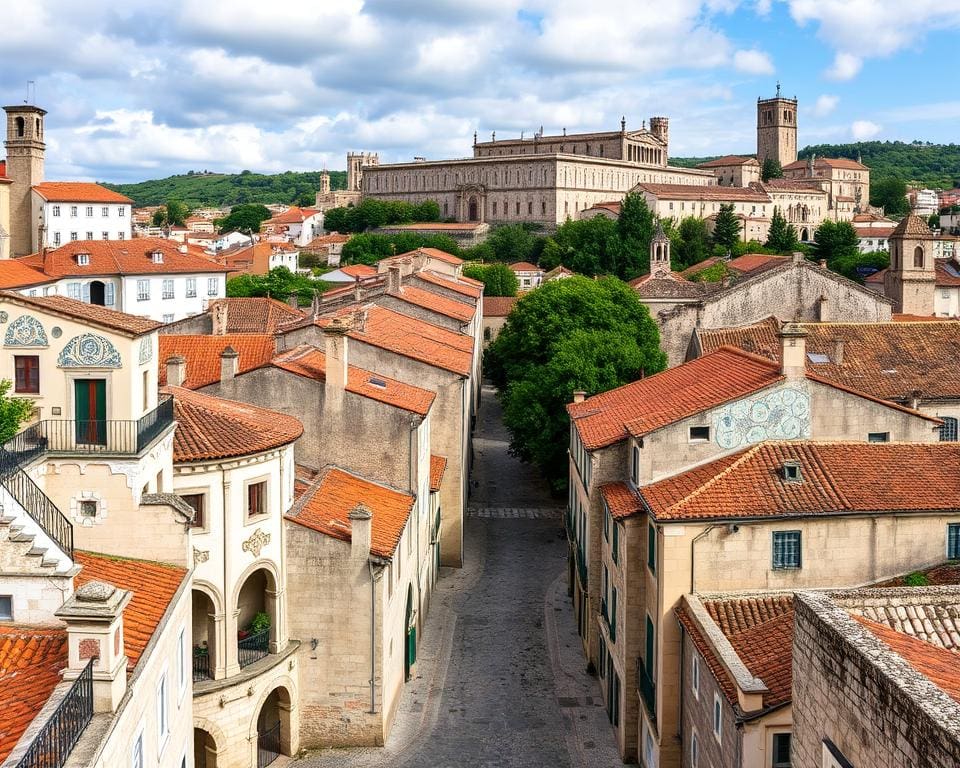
point(500, 678)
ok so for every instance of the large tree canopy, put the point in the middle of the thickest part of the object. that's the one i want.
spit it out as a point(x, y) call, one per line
point(567, 335)
point(244, 218)
point(782, 236)
point(497, 279)
point(891, 195)
point(836, 240)
point(278, 283)
point(373, 213)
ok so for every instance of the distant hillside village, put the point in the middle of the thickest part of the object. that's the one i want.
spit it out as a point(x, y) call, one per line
point(240, 457)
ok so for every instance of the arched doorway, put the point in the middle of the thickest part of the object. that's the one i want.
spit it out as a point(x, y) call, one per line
point(98, 293)
point(473, 210)
point(804, 235)
point(204, 749)
point(410, 639)
point(274, 727)
point(205, 650)
point(256, 617)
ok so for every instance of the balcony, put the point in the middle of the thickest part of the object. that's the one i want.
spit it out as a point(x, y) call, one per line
point(648, 690)
point(253, 647)
point(201, 665)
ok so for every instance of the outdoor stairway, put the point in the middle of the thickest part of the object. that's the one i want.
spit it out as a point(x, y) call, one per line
point(31, 541)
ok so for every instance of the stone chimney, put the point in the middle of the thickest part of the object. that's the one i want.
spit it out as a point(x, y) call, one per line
point(176, 370)
point(579, 396)
point(797, 257)
point(94, 619)
point(822, 263)
point(793, 348)
point(916, 398)
point(394, 278)
point(357, 290)
point(836, 351)
point(337, 364)
point(823, 309)
point(218, 313)
point(293, 301)
point(360, 518)
point(229, 364)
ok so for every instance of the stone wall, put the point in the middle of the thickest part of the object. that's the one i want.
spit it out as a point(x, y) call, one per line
point(697, 715)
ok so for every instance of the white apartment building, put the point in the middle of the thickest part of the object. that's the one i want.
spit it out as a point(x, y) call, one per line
point(70, 211)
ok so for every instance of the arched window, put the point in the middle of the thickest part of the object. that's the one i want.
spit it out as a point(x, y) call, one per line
point(948, 430)
point(918, 257)
point(20, 126)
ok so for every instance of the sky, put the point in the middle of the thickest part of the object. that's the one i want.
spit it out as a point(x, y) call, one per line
point(138, 90)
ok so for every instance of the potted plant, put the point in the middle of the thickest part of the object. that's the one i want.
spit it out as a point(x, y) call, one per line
point(260, 623)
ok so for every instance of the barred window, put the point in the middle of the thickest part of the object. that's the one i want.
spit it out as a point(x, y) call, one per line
point(948, 430)
point(953, 541)
point(786, 549)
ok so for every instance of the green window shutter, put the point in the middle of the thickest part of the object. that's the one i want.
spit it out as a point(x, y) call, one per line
point(613, 615)
point(652, 548)
point(616, 541)
point(648, 660)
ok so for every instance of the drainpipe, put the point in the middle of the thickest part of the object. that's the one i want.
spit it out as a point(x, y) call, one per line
point(693, 545)
point(373, 640)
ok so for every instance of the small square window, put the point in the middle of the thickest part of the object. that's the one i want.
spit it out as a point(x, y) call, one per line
point(792, 472)
point(196, 502)
point(257, 499)
point(699, 434)
point(88, 509)
point(781, 750)
point(6, 607)
point(786, 550)
point(878, 437)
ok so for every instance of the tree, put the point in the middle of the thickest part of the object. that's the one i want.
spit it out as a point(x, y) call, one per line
point(246, 217)
point(635, 229)
point(278, 283)
point(726, 229)
point(836, 240)
point(891, 194)
point(782, 236)
point(933, 221)
point(690, 244)
point(373, 213)
point(369, 248)
point(176, 212)
point(497, 279)
point(859, 265)
point(771, 169)
point(13, 412)
point(567, 335)
point(512, 242)
point(589, 247)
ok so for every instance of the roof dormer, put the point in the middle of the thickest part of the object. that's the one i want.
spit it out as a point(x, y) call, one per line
point(156, 257)
point(83, 259)
point(791, 472)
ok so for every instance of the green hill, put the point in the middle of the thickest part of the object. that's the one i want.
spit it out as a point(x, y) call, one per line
point(223, 189)
point(932, 165)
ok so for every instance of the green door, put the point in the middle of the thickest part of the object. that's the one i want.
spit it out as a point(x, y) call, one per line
point(90, 399)
point(410, 655)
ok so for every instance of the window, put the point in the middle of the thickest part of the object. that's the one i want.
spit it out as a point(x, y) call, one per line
point(105, 211)
point(694, 751)
point(257, 499)
point(136, 754)
point(122, 210)
point(88, 509)
point(27, 369)
point(918, 257)
point(615, 546)
point(792, 472)
point(695, 676)
point(635, 465)
point(73, 210)
point(89, 235)
point(73, 290)
point(781, 750)
point(6, 607)
point(73, 237)
point(786, 550)
point(104, 235)
point(143, 290)
point(878, 437)
point(56, 238)
point(211, 286)
point(196, 502)
point(56, 210)
point(699, 434)
point(163, 715)
point(191, 287)
point(948, 430)
point(652, 548)
point(119, 235)
point(953, 541)
point(89, 210)
point(168, 289)
point(181, 663)
point(717, 717)
point(167, 319)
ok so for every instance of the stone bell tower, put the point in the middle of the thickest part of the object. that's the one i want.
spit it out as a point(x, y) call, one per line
point(659, 253)
point(25, 152)
point(911, 279)
point(777, 129)
point(355, 163)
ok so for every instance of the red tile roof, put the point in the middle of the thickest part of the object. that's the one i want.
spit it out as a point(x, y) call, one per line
point(464, 286)
point(211, 427)
point(358, 270)
point(325, 508)
point(256, 314)
point(325, 240)
point(707, 193)
point(153, 585)
point(437, 466)
point(31, 659)
point(436, 303)
point(755, 262)
point(78, 192)
point(837, 478)
point(498, 306)
point(651, 403)
point(87, 313)
point(621, 500)
point(524, 266)
point(120, 257)
point(434, 253)
point(827, 162)
point(947, 271)
point(15, 274)
point(913, 227)
point(310, 362)
point(728, 160)
point(612, 206)
point(203, 354)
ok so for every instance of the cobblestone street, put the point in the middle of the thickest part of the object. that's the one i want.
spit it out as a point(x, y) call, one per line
point(500, 678)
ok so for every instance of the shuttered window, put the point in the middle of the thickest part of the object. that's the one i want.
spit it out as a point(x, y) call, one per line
point(953, 541)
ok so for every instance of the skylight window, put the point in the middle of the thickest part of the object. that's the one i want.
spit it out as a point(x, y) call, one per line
point(378, 383)
point(792, 472)
point(818, 357)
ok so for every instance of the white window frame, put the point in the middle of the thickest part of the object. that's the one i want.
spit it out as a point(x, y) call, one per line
point(143, 290)
point(56, 238)
point(90, 211)
point(56, 210)
point(164, 293)
point(138, 757)
point(73, 211)
point(163, 713)
point(191, 287)
point(693, 439)
point(717, 719)
point(105, 210)
point(182, 665)
point(213, 287)
point(695, 675)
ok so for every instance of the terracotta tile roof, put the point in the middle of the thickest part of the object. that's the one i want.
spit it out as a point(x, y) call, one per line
point(728, 160)
point(621, 500)
point(436, 303)
point(751, 263)
point(913, 227)
point(802, 186)
point(439, 226)
point(837, 478)
point(937, 664)
point(310, 362)
point(292, 215)
point(120, 257)
point(612, 206)
point(467, 288)
point(256, 314)
point(437, 466)
point(153, 585)
point(303, 478)
point(31, 659)
point(874, 233)
point(862, 217)
point(524, 266)
point(413, 338)
point(671, 286)
point(78, 192)
point(358, 270)
point(828, 162)
point(88, 313)
point(666, 397)
point(325, 507)
point(471, 281)
point(435, 253)
point(889, 361)
point(947, 271)
point(705, 649)
point(692, 270)
point(211, 427)
point(324, 240)
point(15, 274)
point(707, 193)
point(498, 306)
point(943, 574)
point(203, 354)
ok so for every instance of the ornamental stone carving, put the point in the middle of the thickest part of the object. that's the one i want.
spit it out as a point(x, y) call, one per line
point(257, 541)
point(780, 415)
point(200, 555)
point(25, 331)
point(89, 350)
point(146, 350)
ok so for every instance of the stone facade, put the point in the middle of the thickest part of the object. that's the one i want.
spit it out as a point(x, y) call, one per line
point(25, 159)
point(777, 129)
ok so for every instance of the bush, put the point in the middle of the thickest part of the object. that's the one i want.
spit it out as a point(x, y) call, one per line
point(260, 623)
point(916, 579)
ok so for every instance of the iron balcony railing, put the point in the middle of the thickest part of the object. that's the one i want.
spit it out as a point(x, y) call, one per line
point(51, 747)
point(268, 745)
point(201, 666)
point(253, 647)
point(648, 690)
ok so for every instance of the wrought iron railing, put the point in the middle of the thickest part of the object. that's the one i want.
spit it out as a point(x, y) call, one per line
point(51, 746)
point(201, 666)
point(268, 745)
point(35, 502)
point(253, 647)
point(648, 690)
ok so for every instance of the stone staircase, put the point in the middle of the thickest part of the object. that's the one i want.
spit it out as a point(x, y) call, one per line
point(25, 546)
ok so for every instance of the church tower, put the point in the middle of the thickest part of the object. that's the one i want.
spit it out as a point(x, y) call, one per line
point(911, 279)
point(25, 151)
point(325, 182)
point(355, 163)
point(777, 129)
point(659, 253)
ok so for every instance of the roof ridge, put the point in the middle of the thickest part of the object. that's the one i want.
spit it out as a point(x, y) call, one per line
point(748, 453)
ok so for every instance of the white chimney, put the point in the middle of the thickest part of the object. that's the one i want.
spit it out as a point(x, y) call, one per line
point(337, 360)
point(176, 370)
point(579, 396)
point(361, 519)
point(394, 279)
point(793, 348)
point(218, 314)
point(229, 364)
point(836, 351)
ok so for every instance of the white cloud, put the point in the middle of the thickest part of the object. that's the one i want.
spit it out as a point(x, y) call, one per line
point(753, 62)
point(845, 66)
point(824, 105)
point(763, 7)
point(861, 130)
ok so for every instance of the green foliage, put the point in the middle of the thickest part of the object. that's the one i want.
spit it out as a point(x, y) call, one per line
point(198, 189)
point(726, 230)
point(891, 193)
point(587, 246)
point(309, 260)
point(244, 218)
point(916, 579)
point(782, 236)
point(689, 243)
point(836, 240)
point(567, 335)
point(933, 221)
point(278, 283)
point(635, 228)
point(369, 248)
point(173, 213)
point(513, 242)
point(712, 274)
point(480, 252)
point(929, 165)
point(13, 411)
point(373, 213)
point(497, 279)
point(771, 169)
point(260, 623)
point(847, 265)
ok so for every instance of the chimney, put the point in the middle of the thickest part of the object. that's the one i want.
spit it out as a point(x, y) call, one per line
point(793, 348)
point(836, 351)
point(357, 291)
point(293, 301)
point(579, 396)
point(394, 278)
point(823, 309)
point(229, 364)
point(822, 263)
point(218, 314)
point(915, 397)
point(176, 370)
point(360, 518)
point(94, 619)
point(335, 349)
point(798, 257)
point(183, 248)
